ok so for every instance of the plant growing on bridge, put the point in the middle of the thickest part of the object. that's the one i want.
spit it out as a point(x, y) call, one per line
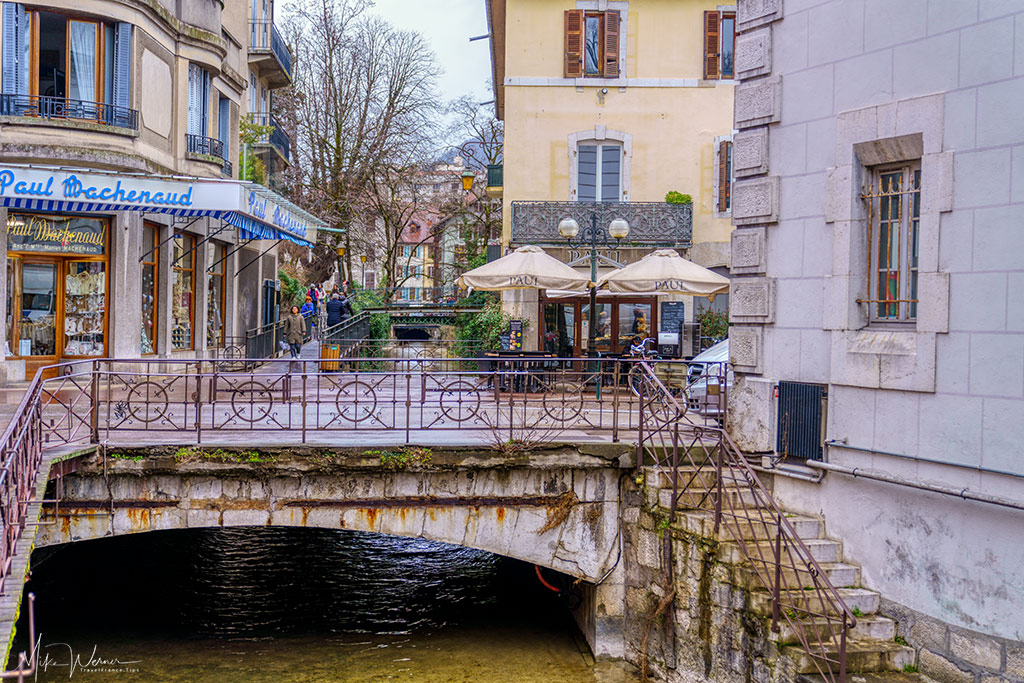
point(559, 512)
point(192, 453)
point(401, 459)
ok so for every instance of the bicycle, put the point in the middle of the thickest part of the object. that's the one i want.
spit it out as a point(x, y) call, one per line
point(636, 372)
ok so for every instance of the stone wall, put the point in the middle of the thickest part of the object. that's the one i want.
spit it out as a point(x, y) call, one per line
point(707, 632)
point(950, 654)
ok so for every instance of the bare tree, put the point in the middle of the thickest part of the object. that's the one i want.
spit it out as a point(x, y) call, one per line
point(363, 100)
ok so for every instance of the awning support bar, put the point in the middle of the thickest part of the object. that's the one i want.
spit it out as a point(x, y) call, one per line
point(228, 255)
point(174, 233)
point(258, 257)
point(224, 226)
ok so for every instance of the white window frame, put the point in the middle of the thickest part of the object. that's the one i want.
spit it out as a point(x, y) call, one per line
point(600, 135)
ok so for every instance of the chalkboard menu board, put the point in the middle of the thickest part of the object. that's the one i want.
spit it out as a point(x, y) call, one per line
point(671, 316)
point(515, 335)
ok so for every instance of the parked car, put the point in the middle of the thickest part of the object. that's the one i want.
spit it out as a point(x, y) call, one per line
point(704, 393)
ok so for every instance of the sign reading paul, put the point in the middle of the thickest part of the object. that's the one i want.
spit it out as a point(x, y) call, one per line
point(56, 234)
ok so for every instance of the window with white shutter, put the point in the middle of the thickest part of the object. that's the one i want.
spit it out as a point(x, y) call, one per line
point(599, 172)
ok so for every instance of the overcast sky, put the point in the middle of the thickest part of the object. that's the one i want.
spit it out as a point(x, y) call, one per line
point(447, 26)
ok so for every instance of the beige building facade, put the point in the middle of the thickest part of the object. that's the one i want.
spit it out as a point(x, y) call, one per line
point(609, 106)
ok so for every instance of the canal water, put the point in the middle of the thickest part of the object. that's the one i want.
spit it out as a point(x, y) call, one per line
point(274, 604)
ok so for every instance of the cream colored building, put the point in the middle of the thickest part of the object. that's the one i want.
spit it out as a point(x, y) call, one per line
point(127, 234)
point(614, 102)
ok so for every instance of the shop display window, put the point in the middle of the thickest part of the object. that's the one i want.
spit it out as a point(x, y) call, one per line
point(560, 329)
point(183, 292)
point(215, 297)
point(85, 296)
point(634, 320)
point(150, 291)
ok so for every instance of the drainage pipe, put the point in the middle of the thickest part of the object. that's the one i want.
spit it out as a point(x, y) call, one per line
point(891, 479)
point(841, 443)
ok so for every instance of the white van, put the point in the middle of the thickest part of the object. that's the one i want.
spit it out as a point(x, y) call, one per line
point(704, 393)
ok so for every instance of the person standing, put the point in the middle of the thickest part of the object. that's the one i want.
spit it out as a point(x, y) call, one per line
point(294, 331)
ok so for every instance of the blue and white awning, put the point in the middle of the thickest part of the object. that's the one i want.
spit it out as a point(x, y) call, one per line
point(257, 212)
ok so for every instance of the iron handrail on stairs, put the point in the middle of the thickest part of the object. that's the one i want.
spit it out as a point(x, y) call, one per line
point(803, 599)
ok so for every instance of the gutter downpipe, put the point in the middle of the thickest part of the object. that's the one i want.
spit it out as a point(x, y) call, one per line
point(890, 479)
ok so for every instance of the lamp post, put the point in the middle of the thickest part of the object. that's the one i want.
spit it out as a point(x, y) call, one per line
point(618, 229)
point(362, 259)
point(341, 266)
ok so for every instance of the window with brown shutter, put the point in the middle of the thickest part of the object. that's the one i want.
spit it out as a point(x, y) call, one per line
point(611, 44)
point(719, 45)
point(592, 44)
point(724, 176)
point(573, 43)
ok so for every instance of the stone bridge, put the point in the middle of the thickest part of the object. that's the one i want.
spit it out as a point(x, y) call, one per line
point(555, 506)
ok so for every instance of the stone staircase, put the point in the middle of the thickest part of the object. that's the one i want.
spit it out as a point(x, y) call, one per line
point(872, 652)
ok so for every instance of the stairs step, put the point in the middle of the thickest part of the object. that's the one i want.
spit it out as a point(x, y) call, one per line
point(821, 549)
point(811, 601)
point(861, 656)
point(840, 575)
point(688, 475)
point(696, 498)
point(753, 524)
point(816, 629)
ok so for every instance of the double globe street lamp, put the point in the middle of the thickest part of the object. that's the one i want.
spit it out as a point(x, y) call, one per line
point(618, 230)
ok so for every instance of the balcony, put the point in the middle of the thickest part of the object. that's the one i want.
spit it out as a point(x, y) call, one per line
point(651, 224)
point(59, 108)
point(268, 54)
point(495, 180)
point(208, 147)
point(276, 139)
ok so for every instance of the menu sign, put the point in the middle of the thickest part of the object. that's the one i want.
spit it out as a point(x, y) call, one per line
point(56, 234)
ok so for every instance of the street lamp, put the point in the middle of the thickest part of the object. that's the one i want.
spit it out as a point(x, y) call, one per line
point(362, 258)
point(341, 267)
point(569, 229)
point(467, 180)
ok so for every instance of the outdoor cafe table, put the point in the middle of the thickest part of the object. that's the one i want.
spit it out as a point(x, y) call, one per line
point(527, 375)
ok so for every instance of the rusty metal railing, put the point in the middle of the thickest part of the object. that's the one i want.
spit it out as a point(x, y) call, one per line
point(708, 473)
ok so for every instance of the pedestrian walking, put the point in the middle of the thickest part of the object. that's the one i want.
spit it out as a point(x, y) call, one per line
point(294, 331)
point(308, 312)
point(346, 308)
point(334, 310)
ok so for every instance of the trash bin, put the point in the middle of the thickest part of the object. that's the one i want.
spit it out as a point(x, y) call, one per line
point(329, 354)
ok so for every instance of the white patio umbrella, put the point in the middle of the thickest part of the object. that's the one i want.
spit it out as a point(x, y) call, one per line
point(666, 272)
point(527, 267)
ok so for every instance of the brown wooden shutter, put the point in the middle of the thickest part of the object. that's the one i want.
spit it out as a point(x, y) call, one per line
point(573, 43)
point(724, 186)
point(611, 44)
point(712, 20)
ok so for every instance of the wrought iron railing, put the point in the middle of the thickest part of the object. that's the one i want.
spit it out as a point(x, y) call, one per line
point(201, 144)
point(45, 107)
point(228, 168)
point(264, 37)
point(277, 137)
point(709, 474)
point(650, 223)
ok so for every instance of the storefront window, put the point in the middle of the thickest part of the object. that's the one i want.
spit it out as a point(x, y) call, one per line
point(560, 329)
point(183, 292)
point(603, 341)
point(56, 285)
point(85, 295)
point(634, 321)
point(150, 292)
point(215, 298)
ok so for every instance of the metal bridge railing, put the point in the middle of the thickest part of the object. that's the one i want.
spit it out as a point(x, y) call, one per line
point(709, 473)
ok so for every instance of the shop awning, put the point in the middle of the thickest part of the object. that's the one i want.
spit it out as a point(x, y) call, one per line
point(257, 212)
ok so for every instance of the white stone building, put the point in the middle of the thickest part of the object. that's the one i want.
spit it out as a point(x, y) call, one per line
point(878, 264)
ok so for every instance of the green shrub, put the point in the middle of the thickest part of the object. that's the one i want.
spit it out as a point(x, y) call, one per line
point(674, 197)
point(293, 292)
point(712, 323)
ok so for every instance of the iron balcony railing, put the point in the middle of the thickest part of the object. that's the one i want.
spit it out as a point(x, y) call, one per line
point(45, 107)
point(200, 144)
point(650, 223)
point(228, 168)
point(495, 175)
point(277, 138)
point(264, 37)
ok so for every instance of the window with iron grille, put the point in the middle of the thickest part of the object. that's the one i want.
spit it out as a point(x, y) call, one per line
point(893, 202)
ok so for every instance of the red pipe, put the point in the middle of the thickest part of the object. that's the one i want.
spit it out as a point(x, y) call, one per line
point(544, 581)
